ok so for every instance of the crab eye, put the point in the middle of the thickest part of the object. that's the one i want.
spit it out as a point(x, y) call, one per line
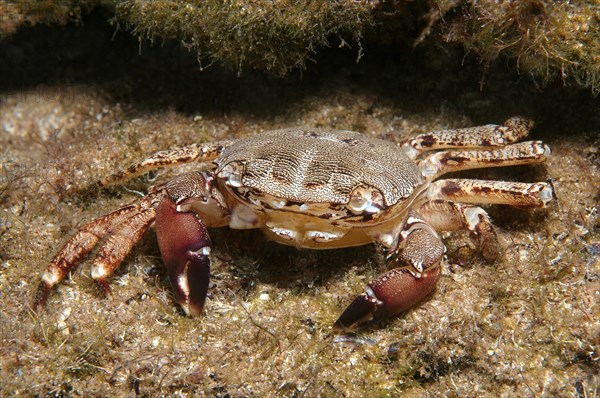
point(235, 180)
point(232, 174)
point(365, 199)
point(358, 204)
point(278, 203)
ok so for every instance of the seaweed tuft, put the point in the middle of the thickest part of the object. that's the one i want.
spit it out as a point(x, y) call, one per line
point(267, 35)
point(551, 41)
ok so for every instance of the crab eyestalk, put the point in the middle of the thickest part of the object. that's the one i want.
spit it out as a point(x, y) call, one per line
point(185, 247)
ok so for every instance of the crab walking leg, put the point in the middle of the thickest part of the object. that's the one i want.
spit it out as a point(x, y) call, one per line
point(449, 216)
point(520, 194)
point(118, 246)
point(419, 251)
point(191, 153)
point(529, 152)
point(513, 129)
point(83, 242)
point(185, 247)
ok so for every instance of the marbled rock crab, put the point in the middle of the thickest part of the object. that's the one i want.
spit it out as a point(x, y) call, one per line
point(317, 189)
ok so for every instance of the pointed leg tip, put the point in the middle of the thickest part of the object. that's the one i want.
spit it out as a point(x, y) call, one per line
point(41, 297)
point(521, 122)
point(103, 286)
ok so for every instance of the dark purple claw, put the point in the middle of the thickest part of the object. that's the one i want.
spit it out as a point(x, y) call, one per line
point(185, 247)
point(390, 294)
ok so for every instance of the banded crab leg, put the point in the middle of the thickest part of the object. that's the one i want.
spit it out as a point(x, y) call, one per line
point(519, 194)
point(478, 147)
point(443, 162)
point(204, 152)
point(124, 227)
point(491, 135)
point(444, 213)
point(449, 216)
point(182, 237)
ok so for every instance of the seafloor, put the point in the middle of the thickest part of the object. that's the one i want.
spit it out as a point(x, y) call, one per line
point(82, 101)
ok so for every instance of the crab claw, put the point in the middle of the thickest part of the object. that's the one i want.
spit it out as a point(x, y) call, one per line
point(185, 247)
point(393, 292)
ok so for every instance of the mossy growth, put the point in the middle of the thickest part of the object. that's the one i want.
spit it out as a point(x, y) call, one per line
point(276, 36)
point(16, 13)
point(547, 39)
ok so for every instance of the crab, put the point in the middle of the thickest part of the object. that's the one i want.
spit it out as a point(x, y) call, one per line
point(317, 189)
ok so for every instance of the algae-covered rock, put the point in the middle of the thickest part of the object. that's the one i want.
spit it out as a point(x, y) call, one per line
point(548, 39)
point(276, 36)
point(16, 13)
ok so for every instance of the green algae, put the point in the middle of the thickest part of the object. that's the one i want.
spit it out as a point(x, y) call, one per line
point(552, 42)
